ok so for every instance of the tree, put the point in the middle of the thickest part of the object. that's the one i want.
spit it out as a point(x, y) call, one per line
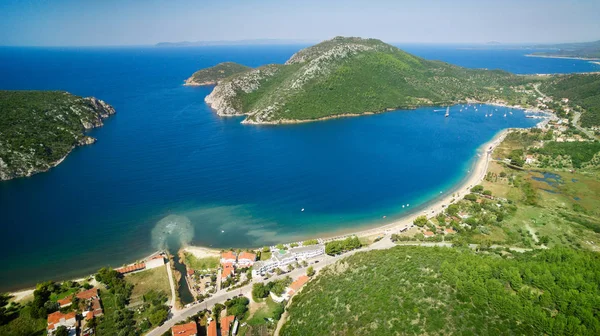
point(266, 249)
point(280, 246)
point(310, 271)
point(453, 209)
point(304, 263)
point(293, 245)
point(61, 331)
point(487, 192)
point(290, 267)
point(477, 189)
point(421, 221)
point(259, 291)
point(159, 315)
point(310, 242)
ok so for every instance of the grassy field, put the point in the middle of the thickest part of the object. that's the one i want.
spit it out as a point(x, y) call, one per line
point(566, 209)
point(154, 279)
point(257, 321)
point(201, 263)
point(265, 255)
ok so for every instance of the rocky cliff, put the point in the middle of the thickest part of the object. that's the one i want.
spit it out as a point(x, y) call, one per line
point(38, 129)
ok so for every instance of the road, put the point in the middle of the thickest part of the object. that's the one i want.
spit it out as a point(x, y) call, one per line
point(172, 284)
point(322, 261)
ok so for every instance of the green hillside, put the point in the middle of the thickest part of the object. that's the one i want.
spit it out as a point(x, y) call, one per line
point(352, 76)
point(39, 128)
point(213, 75)
point(444, 291)
point(582, 90)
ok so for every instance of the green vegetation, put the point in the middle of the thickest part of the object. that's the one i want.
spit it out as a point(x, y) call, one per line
point(212, 75)
point(340, 246)
point(207, 263)
point(310, 242)
point(582, 90)
point(579, 152)
point(39, 128)
point(117, 318)
point(156, 279)
point(237, 306)
point(353, 75)
point(419, 290)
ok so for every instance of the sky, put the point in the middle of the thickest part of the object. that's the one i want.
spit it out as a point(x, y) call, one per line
point(146, 22)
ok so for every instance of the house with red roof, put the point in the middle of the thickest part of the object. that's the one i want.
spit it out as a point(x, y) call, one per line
point(211, 330)
point(188, 329)
point(246, 259)
point(155, 261)
point(226, 323)
point(228, 257)
point(428, 234)
point(58, 319)
point(292, 289)
point(131, 268)
point(66, 301)
point(227, 271)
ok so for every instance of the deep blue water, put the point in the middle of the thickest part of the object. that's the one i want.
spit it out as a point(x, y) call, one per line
point(166, 162)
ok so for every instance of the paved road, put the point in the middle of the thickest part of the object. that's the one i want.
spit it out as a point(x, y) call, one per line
point(323, 261)
point(172, 284)
point(576, 116)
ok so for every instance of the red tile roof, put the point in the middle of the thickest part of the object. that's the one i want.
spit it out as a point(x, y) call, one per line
point(131, 268)
point(226, 324)
point(88, 294)
point(450, 230)
point(158, 256)
point(428, 233)
point(66, 301)
point(212, 328)
point(247, 255)
point(188, 329)
point(228, 255)
point(190, 271)
point(296, 285)
point(55, 318)
point(227, 270)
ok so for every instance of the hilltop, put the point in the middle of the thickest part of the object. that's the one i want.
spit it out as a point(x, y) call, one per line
point(350, 76)
point(38, 129)
point(213, 75)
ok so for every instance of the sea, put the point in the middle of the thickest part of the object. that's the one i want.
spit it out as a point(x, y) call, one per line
point(166, 170)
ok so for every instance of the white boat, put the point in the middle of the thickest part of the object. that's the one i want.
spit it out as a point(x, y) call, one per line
point(302, 210)
point(504, 115)
point(447, 112)
point(486, 115)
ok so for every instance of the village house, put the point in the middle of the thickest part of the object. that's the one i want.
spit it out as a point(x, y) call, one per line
point(279, 258)
point(66, 301)
point(188, 329)
point(91, 300)
point(463, 215)
point(155, 261)
point(226, 324)
point(211, 330)
point(529, 159)
point(227, 271)
point(228, 258)
point(131, 268)
point(449, 231)
point(428, 234)
point(246, 259)
point(58, 319)
point(291, 290)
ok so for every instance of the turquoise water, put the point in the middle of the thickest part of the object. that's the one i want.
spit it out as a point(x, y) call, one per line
point(166, 170)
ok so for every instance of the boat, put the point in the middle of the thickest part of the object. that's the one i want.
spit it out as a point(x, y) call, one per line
point(447, 112)
point(486, 115)
point(504, 115)
point(302, 210)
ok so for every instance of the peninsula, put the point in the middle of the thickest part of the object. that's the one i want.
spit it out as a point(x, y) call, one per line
point(38, 129)
point(347, 76)
point(583, 50)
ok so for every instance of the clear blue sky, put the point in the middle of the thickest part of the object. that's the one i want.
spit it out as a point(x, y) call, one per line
point(136, 22)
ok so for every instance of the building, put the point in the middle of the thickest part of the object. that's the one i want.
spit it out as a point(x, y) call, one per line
point(66, 301)
point(226, 324)
point(428, 234)
point(291, 290)
point(449, 231)
point(211, 330)
point(156, 261)
point(91, 300)
point(227, 271)
point(188, 329)
point(88, 294)
point(463, 215)
point(228, 257)
point(58, 319)
point(306, 252)
point(246, 259)
point(131, 268)
point(529, 159)
point(279, 258)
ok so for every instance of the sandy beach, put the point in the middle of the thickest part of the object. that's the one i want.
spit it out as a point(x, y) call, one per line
point(565, 57)
point(201, 252)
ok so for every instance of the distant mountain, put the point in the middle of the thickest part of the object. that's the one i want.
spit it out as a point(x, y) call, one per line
point(225, 43)
point(349, 76)
point(582, 50)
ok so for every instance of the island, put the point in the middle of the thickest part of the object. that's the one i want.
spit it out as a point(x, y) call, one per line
point(348, 76)
point(38, 129)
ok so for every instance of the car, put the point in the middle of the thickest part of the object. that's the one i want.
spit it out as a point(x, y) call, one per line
point(316, 261)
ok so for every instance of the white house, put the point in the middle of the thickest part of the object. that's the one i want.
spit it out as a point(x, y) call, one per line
point(228, 258)
point(246, 259)
point(58, 319)
point(279, 258)
point(156, 261)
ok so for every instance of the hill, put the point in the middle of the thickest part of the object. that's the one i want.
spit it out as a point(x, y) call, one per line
point(350, 75)
point(39, 128)
point(582, 90)
point(445, 291)
point(589, 50)
point(213, 75)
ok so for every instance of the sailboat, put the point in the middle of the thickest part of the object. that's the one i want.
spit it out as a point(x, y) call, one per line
point(447, 112)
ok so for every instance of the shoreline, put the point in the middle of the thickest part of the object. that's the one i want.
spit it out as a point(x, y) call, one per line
point(431, 208)
point(565, 57)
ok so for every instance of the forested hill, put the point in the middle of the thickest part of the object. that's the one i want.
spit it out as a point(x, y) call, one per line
point(350, 75)
point(446, 291)
point(580, 89)
point(39, 128)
